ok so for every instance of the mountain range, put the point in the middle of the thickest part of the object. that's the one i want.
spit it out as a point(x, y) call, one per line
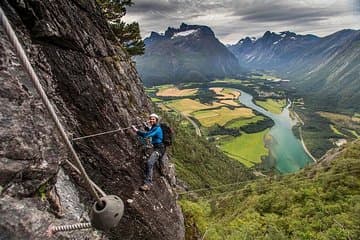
point(325, 69)
point(184, 54)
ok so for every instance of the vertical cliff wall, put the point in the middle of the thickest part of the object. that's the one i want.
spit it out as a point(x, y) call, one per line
point(94, 87)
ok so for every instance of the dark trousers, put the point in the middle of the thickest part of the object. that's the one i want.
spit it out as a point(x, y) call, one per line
point(157, 154)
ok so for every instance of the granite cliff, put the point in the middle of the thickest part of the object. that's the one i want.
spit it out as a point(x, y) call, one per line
point(94, 87)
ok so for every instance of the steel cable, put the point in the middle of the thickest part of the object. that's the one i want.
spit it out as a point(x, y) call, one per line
point(29, 69)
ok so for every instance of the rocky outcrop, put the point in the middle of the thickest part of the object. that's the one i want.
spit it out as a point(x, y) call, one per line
point(94, 87)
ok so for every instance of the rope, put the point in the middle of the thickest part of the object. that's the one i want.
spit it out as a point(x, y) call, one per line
point(99, 134)
point(28, 68)
point(64, 228)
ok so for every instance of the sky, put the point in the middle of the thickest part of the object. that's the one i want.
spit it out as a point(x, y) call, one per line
point(232, 20)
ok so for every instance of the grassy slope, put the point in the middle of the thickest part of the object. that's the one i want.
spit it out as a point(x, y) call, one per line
point(318, 203)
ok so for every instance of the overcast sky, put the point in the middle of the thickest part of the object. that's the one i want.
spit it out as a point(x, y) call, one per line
point(232, 20)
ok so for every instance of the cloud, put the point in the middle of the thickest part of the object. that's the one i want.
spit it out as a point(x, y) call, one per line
point(234, 19)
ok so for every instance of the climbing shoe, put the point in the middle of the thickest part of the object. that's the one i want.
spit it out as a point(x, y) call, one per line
point(145, 187)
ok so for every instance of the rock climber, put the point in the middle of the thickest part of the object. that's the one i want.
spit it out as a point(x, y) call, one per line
point(156, 134)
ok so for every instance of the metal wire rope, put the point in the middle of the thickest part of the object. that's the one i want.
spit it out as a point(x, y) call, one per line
point(29, 69)
point(101, 133)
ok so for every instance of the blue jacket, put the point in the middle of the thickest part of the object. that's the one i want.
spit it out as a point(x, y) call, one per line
point(155, 133)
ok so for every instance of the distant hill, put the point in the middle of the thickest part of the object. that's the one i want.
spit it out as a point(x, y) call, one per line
point(189, 53)
point(273, 51)
point(325, 68)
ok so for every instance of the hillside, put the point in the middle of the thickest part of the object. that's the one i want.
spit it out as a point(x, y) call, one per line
point(324, 70)
point(185, 54)
point(335, 83)
point(321, 202)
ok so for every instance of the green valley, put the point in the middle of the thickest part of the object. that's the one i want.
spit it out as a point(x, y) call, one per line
point(221, 117)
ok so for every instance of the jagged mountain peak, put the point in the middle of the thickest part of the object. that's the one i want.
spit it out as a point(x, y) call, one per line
point(246, 40)
point(170, 32)
point(184, 30)
point(184, 54)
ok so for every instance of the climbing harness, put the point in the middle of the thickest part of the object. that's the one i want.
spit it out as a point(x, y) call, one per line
point(108, 209)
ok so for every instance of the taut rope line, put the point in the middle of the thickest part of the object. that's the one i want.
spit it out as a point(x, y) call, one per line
point(29, 69)
point(99, 134)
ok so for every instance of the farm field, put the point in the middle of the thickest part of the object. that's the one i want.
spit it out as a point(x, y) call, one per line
point(225, 93)
point(272, 105)
point(227, 80)
point(221, 118)
point(242, 148)
point(175, 92)
point(237, 123)
point(187, 106)
point(335, 130)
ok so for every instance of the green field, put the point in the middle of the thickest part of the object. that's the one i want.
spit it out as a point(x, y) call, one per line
point(227, 80)
point(237, 123)
point(242, 148)
point(265, 77)
point(156, 100)
point(221, 119)
point(151, 90)
point(335, 130)
point(353, 132)
point(272, 105)
point(221, 116)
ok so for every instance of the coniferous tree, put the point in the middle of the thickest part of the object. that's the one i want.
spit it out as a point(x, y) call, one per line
point(128, 35)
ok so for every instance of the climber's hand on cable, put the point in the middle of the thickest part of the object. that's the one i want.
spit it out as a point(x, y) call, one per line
point(134, 128)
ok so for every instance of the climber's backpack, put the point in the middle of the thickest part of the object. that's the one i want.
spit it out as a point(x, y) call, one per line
point(168, 134)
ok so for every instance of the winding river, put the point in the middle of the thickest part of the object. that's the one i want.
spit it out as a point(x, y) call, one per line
point(285, 149)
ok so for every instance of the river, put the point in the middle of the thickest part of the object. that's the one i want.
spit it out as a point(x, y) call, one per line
point(285, 149)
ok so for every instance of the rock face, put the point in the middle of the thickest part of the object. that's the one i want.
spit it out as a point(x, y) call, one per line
point(94, 87)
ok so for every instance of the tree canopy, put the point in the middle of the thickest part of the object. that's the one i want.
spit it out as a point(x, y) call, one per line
point(127, 34)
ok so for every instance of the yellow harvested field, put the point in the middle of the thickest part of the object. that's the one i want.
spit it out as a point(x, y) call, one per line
point(235, 94)
point(216, 90)
point(187, 106)
point(225, 93)
point(175, 92)
point(221, 116)
point(230, 102)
